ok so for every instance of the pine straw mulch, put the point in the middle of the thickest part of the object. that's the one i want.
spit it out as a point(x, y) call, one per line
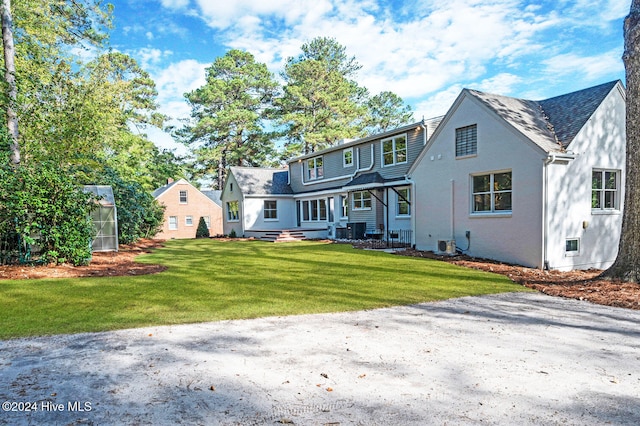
point(103, 264)
point(582, 285)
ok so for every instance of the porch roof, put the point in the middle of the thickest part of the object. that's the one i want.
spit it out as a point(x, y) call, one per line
point(371, 181)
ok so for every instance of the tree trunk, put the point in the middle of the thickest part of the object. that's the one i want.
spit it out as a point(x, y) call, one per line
point(10, 78)
point(627, 264)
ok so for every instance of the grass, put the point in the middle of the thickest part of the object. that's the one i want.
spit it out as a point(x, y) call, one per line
point(209, 280)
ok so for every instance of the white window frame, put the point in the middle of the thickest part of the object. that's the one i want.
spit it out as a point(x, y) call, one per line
point(173, 223)
point(344, 206)
point(186, 197)
point(361, 198)
point(400, 202)
point(207, 221)
point(393, 152)
point(492, 192)
point(348, 163)
point(233, 214)
point(270, 213)
point(315, 210)
point(315, 172)
point(467, 135)
point(575, 252)
point(602, 192)
point(188, 221)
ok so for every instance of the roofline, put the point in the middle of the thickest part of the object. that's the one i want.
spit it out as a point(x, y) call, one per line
point(358, 141)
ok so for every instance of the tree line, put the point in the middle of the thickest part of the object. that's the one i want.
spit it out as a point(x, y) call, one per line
point(244, 116)
point(70, 122)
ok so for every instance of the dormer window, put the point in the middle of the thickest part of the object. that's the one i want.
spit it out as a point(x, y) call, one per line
point(394, 150)
point(314, 168)
point(347, 157)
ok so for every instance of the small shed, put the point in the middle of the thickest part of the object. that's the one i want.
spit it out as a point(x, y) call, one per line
point(105, 219)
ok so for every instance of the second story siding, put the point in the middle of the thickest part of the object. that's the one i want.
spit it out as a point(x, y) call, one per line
point(336, 166)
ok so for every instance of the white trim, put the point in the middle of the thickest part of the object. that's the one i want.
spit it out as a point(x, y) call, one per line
point(394, 151)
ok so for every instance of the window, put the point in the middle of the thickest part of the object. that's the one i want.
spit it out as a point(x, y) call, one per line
point(467, 141)
point(394, 150)
point(314, 210)
point(347, 157)
point(270, 209)
point(188, 220)
point(492, 193)
point(232, 211)
point(604, 190)
point(314, 168)
point(207, 221)
point(572, 246)
point(344, 202)
point(183, 197)
point(362, 200)
point(173, 222)
point(404, 200)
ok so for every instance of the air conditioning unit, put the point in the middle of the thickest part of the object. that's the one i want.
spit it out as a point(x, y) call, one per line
point(447, 247)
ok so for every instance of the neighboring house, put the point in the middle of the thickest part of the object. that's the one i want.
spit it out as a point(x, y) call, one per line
point(539, 184)
point(351, 190)
point(184, 206)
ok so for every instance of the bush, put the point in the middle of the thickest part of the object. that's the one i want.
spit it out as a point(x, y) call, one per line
point(203, 230)
point(43, 208)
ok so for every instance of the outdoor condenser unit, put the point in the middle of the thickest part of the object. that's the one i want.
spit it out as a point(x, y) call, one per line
point(447, 247)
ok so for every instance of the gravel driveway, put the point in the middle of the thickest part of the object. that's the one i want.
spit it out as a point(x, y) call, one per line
point(519, 358)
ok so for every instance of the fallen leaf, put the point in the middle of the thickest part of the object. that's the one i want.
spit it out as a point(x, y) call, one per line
point(212, 388)
point(329, 389)
point(324, 375)
point(362, 376)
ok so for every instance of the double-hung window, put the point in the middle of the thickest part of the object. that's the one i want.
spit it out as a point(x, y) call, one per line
point(173, 223)
point(233, 211)
point(467, 141)
point(183, 197)
point(188, 220)
point(270, 209)
point(492, 193)
point(314, 168)
point(394, 150)
point(362, 200)
point(347, 157)
point(604, 190)
point(344, 202)
point(403, 205)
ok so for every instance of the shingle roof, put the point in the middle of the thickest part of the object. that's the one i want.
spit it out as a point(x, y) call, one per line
point(213, 195)
point(367, 179)
point(261, 181)
point(552, 123)
point(158, 192)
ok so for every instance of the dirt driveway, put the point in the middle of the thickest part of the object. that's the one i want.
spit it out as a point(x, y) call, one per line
point(505, 359)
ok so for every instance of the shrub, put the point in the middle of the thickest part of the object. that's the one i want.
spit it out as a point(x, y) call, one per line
point(203, 230)
point(42, 207)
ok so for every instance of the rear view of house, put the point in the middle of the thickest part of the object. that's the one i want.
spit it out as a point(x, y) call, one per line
point(184, 206)
point(536, 183)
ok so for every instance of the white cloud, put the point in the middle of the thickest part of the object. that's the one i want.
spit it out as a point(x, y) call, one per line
point(174, 81)
point(592, 67)
point(174, 4)
point(149, 57)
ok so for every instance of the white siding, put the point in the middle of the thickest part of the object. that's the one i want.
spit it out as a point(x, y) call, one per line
point(443, 190)
point(601, 145)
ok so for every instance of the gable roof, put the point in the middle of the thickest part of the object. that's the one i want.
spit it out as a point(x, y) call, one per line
point(553, 123)
point(159, 191)
point(262, 181)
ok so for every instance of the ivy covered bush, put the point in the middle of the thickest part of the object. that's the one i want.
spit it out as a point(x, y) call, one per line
point(44, 210)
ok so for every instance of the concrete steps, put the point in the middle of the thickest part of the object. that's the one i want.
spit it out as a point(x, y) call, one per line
point(283, 236)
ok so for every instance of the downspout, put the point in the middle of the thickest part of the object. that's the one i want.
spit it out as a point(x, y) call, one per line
point(414, 214)
point(424, 135)
point(453, 209)
point(545, 198)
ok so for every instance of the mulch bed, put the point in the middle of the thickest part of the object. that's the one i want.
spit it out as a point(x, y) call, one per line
point(582, 285)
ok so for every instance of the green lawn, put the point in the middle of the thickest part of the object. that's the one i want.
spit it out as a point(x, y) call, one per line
point(209, 280)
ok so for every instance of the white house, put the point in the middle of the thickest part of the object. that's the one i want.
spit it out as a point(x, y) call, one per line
point(536, 183)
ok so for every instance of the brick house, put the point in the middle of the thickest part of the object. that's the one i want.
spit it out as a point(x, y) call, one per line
point(185, 205)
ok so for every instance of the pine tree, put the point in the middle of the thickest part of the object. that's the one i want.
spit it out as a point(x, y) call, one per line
point(203, 230)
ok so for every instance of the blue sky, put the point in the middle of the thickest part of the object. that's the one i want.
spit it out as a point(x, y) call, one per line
point(426, 51)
